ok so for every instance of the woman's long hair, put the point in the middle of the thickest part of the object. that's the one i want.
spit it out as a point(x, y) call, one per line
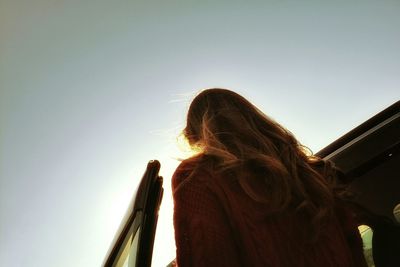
point(244, 141)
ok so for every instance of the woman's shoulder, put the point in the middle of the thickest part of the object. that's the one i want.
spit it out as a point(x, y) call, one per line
point(187, 169)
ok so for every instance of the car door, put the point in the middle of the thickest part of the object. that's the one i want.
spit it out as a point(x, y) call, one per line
point(133, 245)
point(369, 157)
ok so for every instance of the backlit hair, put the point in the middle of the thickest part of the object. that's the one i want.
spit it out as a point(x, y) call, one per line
point(243, 140)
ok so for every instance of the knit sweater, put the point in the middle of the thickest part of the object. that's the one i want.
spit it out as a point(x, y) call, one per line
point(217, 224)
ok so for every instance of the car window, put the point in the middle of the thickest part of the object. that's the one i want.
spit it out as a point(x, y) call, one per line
point(366, 235)
point(128, 252)
point(131, 259)
point(396, 212)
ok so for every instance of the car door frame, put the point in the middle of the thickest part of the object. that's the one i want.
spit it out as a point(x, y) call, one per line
point(141, 216)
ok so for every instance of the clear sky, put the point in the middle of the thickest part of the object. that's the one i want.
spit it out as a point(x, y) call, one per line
point(92, 90)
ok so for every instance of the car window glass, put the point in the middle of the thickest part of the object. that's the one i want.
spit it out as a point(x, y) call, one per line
point(128, 255)
point(122, 260)
point(133, 250)
point(396, 212)
point(366, 235)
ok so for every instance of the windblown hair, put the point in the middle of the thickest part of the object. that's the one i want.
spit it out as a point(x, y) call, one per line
point(244, 141)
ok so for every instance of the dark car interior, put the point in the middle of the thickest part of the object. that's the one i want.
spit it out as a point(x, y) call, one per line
point(369, 157)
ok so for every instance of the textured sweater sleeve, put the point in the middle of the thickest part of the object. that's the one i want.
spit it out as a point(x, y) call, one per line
point(202, 232)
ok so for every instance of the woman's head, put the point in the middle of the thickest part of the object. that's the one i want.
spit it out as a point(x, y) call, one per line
point(214, 106)
point(243, 140)
point(222, 119)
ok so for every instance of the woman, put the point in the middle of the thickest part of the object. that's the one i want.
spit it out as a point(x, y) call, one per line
point(253, 197)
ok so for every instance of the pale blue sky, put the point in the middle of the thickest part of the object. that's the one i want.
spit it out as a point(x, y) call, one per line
point(92, 90)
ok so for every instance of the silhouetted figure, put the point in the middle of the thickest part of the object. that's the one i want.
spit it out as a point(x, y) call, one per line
point(252, 196)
